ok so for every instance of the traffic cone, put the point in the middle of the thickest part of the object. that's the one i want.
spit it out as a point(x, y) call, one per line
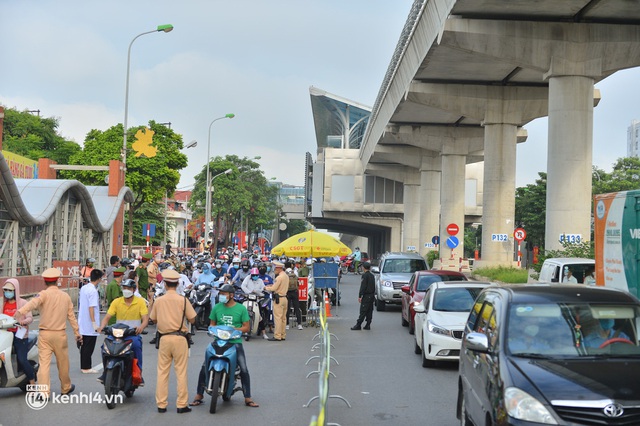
point(327, 305)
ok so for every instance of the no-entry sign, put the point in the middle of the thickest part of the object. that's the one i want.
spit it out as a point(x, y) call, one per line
point(452, 229)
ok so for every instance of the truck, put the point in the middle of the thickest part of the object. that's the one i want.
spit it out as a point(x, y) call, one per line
point(616, 240)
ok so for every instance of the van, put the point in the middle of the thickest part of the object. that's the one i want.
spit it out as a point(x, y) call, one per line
point(555, 269)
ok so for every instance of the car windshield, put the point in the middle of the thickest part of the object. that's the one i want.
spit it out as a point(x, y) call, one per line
point(457, 299)
point(426, 280)
point(407, 266)
point(587, 329)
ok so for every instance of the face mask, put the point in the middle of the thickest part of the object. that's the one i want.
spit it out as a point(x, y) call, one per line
point(218, 266)
point(223, 298)
point(268, 268)
point(127, 293)
point(9, 294)
point(236, 266)
point(254, 277)
point(607, 324)
point(245, 268)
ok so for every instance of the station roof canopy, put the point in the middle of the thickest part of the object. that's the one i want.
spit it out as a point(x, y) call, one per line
point(334, 117)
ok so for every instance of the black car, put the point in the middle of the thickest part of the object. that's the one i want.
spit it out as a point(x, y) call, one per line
point(551, 354)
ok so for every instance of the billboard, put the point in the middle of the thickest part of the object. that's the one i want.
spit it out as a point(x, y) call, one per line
point(21, 167)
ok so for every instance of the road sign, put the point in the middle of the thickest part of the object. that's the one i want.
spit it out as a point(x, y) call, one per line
point(435, 240)
point(452, 229)
point(149, 229)
point(519, 234)
point(452, 242)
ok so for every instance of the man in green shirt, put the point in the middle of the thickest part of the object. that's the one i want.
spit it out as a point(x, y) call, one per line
point(113, 289)
point(228, 312)
point(143, 276)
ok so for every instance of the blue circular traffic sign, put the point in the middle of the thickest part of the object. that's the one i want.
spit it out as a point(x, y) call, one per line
point(435, 240)
point(452, 242)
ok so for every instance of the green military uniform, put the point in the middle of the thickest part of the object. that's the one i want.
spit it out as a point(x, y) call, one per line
point(113, 289)
point(143, 276)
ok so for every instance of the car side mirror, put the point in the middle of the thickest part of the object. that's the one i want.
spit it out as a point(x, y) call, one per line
point(405, 289)
point(477, 342)
point(375, 270)
point(419, 309)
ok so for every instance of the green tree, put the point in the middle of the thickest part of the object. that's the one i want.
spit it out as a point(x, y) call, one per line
point(240, 197)
point(150, 179)
point(531, 206)
point(36, 137)
point(624, 176)
point(294, 226)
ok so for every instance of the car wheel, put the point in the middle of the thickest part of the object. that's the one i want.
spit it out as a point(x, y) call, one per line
point(405, 323)
point(380, 305)
point(416, 347)
point(426, 363)
point(464, 417)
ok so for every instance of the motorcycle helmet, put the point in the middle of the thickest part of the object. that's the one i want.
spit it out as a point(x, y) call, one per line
point(227, 288)
point(254, 271)
point(188, 264)
point(245, 265)
point(128, 283)
point(90, 261)
point(262, 268)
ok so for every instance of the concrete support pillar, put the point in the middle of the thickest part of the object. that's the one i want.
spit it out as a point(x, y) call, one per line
point(452, 202)
point(499, 192)
point(569, 158)
point(429, 201)
point(411, 233)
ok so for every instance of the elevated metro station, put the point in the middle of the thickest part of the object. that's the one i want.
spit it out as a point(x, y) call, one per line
point(465, 77)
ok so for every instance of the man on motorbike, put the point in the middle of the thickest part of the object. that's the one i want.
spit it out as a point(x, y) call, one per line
point(229, 312)
point(132, 311)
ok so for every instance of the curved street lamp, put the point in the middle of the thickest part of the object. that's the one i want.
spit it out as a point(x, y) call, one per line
point(161, 28)
point(207, 214)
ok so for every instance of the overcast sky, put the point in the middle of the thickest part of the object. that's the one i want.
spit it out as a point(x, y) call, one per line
point(253, 58)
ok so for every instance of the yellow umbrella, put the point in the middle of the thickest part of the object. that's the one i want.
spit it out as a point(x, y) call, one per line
point(311, 243)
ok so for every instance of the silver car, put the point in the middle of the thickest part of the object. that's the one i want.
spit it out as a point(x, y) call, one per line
point(395, 270)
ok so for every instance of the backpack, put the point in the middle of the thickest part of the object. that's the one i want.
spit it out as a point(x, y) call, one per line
point(293, 282)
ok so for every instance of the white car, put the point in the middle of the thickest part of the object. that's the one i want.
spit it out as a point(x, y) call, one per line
point(441, 317)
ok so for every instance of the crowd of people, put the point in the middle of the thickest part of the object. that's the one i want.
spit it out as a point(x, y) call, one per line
point(131, 297)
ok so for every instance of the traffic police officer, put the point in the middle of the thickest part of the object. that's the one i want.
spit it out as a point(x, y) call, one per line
point(169, 312)
point(55, 308)
point(279, 290)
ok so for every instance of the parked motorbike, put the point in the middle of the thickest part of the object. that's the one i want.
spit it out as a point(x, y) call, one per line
point(11, 375)
point(118, 359)
point(200, 299)
point(221, 360)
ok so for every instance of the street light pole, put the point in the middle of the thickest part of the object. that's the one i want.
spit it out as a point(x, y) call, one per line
point(207, 214)
point(209, 199)
point(161, 28)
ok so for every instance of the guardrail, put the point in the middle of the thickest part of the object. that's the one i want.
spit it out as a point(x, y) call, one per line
point(324, 368)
